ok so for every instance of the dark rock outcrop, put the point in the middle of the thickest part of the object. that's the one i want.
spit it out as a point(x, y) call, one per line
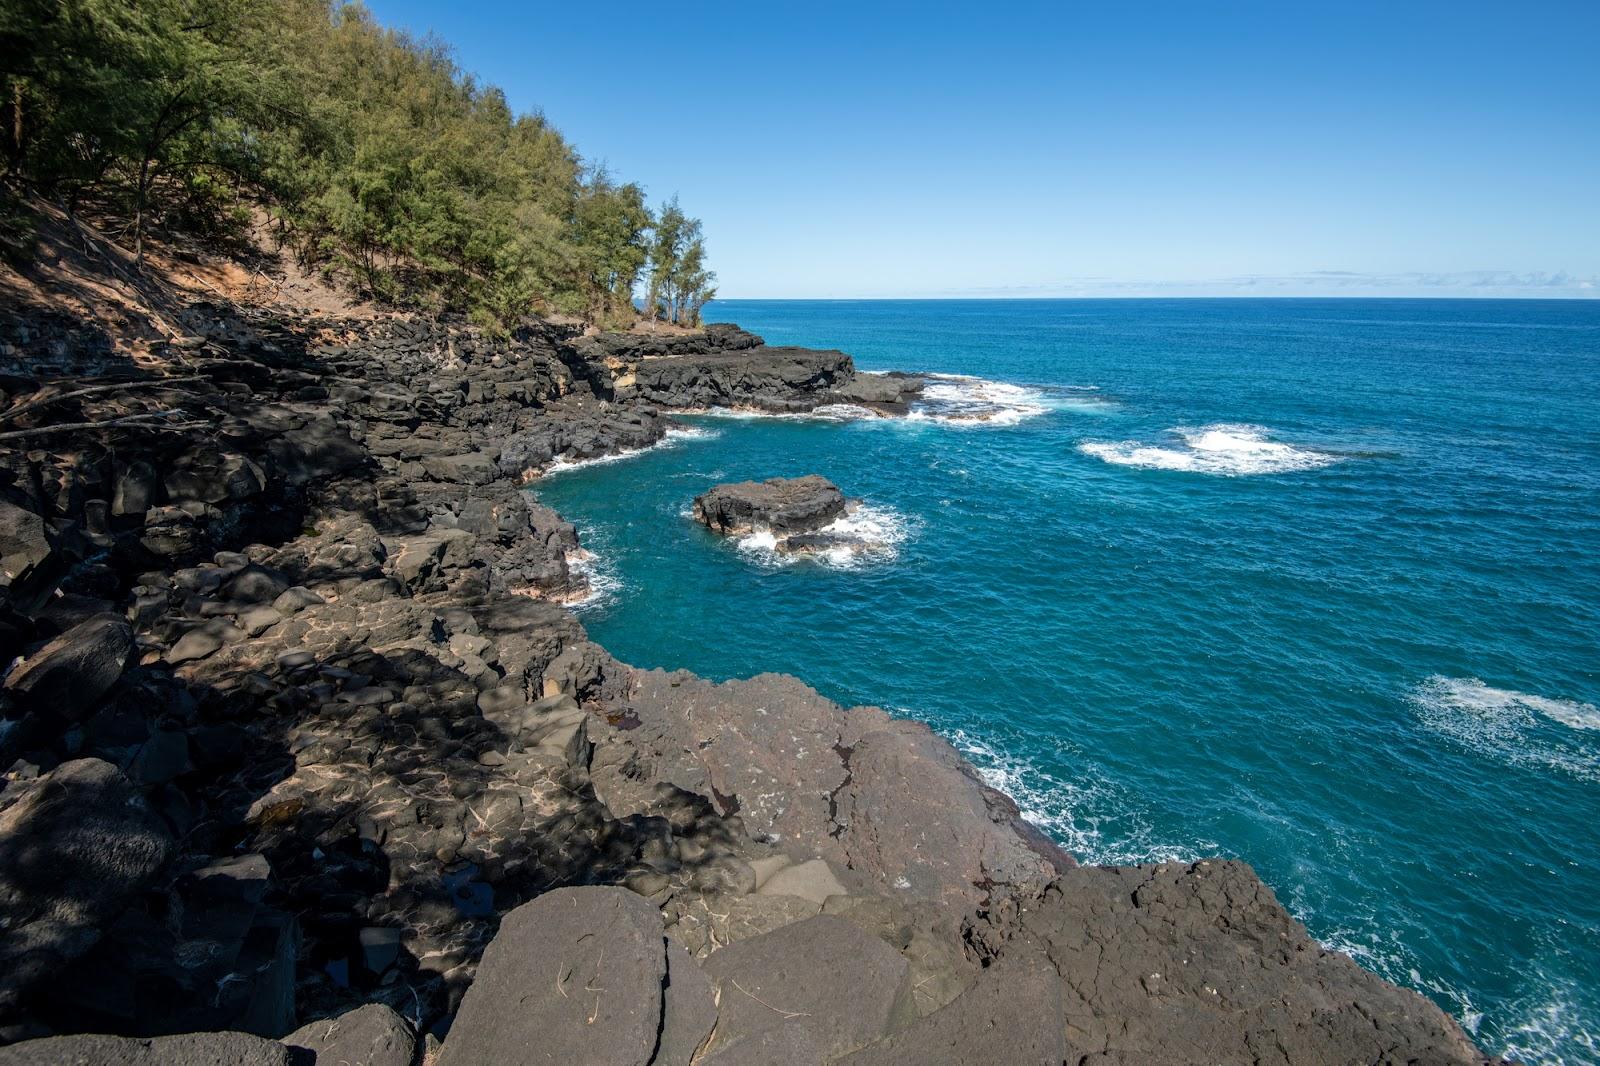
point(188, 1049)
point(1180, 963)
point(782, 505)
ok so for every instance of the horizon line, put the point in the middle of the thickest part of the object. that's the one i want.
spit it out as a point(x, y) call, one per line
point(1458, 298)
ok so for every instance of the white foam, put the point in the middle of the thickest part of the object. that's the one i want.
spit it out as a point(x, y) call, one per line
point(963, 400)
point(1226, 449)
point(675, 436)
point(951, 399)
point(880, 529)
point(1552, 1026)
point(1509, 725)
point(1064, 810)
point(604, 584)
point(828, 412)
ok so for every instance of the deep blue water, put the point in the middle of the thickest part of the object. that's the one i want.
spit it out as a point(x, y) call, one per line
point(1314, 583)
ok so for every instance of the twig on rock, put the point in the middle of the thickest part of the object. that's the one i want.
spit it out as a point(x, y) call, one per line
point(92, 390)
point(148, 420)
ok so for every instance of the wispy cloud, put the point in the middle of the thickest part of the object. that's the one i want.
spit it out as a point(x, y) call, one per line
point(1480, 283)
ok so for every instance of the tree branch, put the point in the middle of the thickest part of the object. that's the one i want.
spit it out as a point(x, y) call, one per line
point(93, 390)
point(149, 420)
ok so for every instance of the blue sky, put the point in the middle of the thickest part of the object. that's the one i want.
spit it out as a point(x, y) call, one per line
point(859, 150)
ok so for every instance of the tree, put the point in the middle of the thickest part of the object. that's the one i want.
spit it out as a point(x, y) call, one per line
point(612, 223)
point(680, 285)
point(373, 154)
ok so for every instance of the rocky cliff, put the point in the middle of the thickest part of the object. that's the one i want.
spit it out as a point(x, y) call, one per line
point(305, 761)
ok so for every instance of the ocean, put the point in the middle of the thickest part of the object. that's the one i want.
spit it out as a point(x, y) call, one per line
point(1311, 583)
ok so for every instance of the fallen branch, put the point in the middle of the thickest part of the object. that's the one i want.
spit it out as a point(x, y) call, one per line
point(149, 420)
point(92, 390)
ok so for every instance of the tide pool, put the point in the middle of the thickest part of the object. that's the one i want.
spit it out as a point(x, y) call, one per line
point(1313, 583)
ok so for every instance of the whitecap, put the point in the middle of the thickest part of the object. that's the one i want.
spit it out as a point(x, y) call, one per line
point(1509, 725)
point(828, 412)
point(603, 584)
point(1225, 449)
point(880, 529)
point(963, 400)
point(675, 436)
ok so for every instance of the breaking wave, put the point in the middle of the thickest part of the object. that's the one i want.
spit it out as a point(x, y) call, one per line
point(881, 529)
point(1514, 727)
point(1225, 449)
point(1067, 811)
point(969, 401)
point(675, 436)
point(604, 584)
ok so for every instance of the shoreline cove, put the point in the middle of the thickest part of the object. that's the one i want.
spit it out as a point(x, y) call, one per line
point(401, 692)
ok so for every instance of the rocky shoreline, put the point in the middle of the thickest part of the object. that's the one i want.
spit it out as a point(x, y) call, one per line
point(305, 761)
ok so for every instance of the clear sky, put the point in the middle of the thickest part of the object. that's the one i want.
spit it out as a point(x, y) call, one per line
point(859, 149)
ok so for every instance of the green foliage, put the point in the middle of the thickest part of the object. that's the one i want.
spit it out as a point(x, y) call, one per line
point(680, 284)
point(376, 156)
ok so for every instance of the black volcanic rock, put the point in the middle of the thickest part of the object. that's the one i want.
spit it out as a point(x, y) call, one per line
point(773, 379)
point(575, 976)
point(782, 505)
point(75, 847)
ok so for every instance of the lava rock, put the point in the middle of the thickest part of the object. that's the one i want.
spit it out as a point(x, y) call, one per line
point(73, 851)
point(782, 505)
point(373, 1035)
point(65, 679)
point(574, 976)
point(189, 1049)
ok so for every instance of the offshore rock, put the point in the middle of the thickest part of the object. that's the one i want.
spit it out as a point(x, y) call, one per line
point(782, 505)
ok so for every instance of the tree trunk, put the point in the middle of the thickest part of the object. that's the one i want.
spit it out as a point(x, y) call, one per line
point(138, 212)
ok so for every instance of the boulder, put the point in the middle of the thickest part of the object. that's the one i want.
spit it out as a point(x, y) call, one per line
point(574, 976)
point(1012, 1015)
point(823, 543)
point(78, 845)
point(782, 505)
point(373, 1035)
point(210, 475)
point(23, 543)
point(189, 1049)
point(66, 678)
point(823, 980)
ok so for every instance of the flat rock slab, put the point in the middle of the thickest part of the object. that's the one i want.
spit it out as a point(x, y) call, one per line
point(189, 1049)
point(824, 979)
point(782, 505)
point(66, 678)
point(1183, 963)
point(1012, 1015)
point(689, 1010)
point(884, 798)
point(574, 976)
point(373, 1035)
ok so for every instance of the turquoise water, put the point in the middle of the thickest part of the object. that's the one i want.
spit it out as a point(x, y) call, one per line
point(1311, 583)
